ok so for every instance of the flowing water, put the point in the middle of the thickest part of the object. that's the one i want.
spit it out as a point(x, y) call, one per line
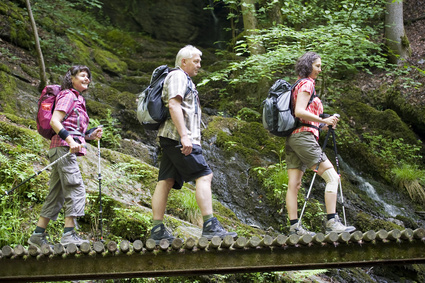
point(365, 186)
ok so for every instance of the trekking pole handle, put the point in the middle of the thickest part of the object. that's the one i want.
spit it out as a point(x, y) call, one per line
point(323, 115)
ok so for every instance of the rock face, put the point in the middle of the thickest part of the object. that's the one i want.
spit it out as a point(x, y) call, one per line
point(179, 21)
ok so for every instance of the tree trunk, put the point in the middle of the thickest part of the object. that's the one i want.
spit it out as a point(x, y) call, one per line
point(250, 25)
point(396, 39)
point(275, 14)
point(43, 77)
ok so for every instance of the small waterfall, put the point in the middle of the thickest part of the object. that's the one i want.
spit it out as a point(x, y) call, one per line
point(370, 190)
point(217, 27)
point(212, 12)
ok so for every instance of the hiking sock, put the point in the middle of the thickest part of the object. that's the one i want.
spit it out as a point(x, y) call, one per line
point(157, 222)
point(293, 221)
point(331, 215)
point(207, 217)
point(39, 230)
point(68, 229)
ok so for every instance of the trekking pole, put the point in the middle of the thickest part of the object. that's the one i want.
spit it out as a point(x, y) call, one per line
point(339, 181)
point(314, 177)
point(99, 178)
point(38, 173)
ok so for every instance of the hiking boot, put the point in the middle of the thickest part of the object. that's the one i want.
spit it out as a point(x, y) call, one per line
point(39, 239)
point(299, 230)
point(71, 237)
point(160, 232)
point(212, 227)
point(335, 225)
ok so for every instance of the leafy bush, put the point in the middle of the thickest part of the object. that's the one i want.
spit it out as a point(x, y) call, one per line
point(394, 151)
point(111, 131)
point(274, 179)
point(130, 224)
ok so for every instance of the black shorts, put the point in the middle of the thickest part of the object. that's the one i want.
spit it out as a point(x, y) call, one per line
point(179, 167)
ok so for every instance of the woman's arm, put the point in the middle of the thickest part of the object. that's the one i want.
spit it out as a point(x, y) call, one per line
point(57, 126)
point(301, 111)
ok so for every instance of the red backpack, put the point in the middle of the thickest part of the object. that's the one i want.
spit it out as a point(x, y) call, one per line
point(46, 106)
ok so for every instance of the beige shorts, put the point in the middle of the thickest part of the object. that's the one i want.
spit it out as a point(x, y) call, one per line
point(303, 151)
point(67, 188)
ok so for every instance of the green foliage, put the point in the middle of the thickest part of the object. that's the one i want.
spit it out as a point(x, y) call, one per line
point(111, 131)
point(274, 179)
point(345, 34)
point(402, 75)
point(407, 172)
point(17, 161)
point(184, 205)
point(130, 224)
point(343, 51)
point(134, 170)
point(309, 14)
point(11, 221)
point(394, 151)
point(59, 20)
point(412, 179)
point(249, 115)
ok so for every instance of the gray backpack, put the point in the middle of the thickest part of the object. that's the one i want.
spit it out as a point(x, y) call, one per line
point(278, 116)
point(151, 111)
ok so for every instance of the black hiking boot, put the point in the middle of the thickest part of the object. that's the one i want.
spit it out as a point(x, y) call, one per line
point(160, 232)
point(212, 227)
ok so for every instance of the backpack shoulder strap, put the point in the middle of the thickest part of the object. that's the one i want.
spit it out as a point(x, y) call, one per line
point(313, 95)
point(74, 131)
point(189, 81)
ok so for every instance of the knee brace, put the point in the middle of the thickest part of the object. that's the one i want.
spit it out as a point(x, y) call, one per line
point(331, 178)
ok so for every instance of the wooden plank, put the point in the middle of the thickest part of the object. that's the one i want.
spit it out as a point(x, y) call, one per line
point(79, 266)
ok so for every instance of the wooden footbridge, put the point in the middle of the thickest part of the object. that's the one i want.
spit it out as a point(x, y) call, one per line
point(197, 257)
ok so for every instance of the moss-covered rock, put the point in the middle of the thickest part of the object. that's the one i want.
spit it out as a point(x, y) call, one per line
point(7, 93)
point(249, 139)
point(83, 53)
point(31, 71)
point(414, 114)
point(386, 122)
point(109, 62)
point(365, 222)
point(104, 93)
point(127, 100)
point(97, 110)
point(17, 29)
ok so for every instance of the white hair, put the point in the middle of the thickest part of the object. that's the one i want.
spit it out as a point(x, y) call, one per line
point(185, 53)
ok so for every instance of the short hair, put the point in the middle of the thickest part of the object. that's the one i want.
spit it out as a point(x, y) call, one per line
point(185, 53)
point(72, 72)
point(304, 65)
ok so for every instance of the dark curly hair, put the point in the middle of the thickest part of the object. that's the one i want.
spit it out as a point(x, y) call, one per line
point(72, 72)
point(304, 65)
